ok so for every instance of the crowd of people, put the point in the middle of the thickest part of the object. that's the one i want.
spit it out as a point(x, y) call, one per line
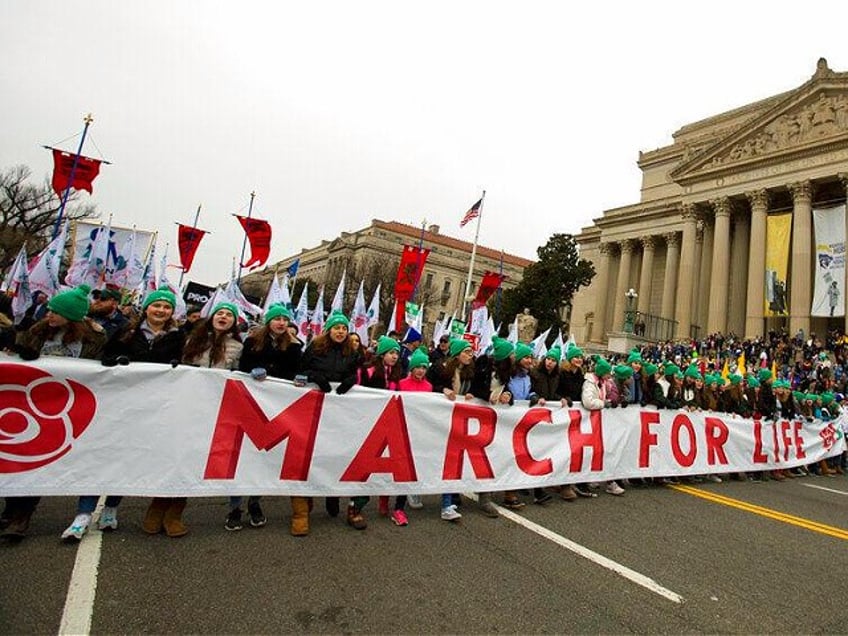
point(775, 376)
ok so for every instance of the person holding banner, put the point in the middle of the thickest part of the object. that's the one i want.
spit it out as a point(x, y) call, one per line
point(594, 397)
point(330, 357)
point(65, 331)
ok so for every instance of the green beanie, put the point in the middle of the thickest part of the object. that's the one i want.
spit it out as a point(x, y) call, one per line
point(573, 352)
point(764, 375)
point(650, 369)
point(336, 318)
point(419, 359)
point(735, 379)
point(753, 382)
point(602, 367)
point(812, 397)
point(522, 351)
point(671, 369)
point(386, 344)
point(457, 346)
point(634, 356)
point(827, 398)
point(163, 293)
point(230, 307)
point(501, 348)
point(622, 372)
point(798, 395)
point(276, 311)
point(71, 305)
point(692, 372)
point(555, 353)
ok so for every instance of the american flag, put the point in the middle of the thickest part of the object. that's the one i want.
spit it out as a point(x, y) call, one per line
point(472, 213)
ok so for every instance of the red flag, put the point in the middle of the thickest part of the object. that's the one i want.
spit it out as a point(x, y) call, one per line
point(490, 283)
point(259, 234)
point(86, 171)
point(188, 239)
point(409, 272)
point(472, 213)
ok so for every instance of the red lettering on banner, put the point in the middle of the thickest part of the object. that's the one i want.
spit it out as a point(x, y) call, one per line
point(776, 446)
point(239, 414)
point(523, 458)
point(684, 459)
point(389, 433)
point(578, 440)
point(717, 434)
point(759, 456)
point(647, 438)
point(799, 441)
point(460, 442)
point(784, 435)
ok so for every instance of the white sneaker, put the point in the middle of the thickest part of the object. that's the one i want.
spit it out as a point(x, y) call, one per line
point(78, 527)
point(614, 489)
point(714, 478)
point(450, 514)
point(108, 518)
point(414, 502)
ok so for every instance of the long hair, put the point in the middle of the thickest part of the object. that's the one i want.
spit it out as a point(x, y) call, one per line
point(277, 341)
point(322, 343)
point(466, 373)
point(203, 337)
point(74, 331)
point(378, 376)
point(504, 370)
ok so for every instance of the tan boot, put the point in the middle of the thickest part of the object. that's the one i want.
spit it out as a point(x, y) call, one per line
point(152, 523)
point(173, 520)
point(826, 470)
point(300, 516)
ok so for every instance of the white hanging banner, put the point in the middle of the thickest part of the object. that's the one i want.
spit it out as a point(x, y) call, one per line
point(74, 427)
point(829, 291)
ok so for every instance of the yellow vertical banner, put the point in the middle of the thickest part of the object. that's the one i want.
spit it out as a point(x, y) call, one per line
point(778, 232)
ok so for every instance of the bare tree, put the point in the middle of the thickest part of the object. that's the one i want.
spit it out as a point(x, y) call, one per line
point(28, 213)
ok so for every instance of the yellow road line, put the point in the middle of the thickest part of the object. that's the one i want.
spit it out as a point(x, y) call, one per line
point(801, 522)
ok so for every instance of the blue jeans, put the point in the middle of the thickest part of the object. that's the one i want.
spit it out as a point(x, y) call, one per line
point(87, 503)
point(235, 501)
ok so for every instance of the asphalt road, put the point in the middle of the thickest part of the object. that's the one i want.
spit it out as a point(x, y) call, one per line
point(777, 569)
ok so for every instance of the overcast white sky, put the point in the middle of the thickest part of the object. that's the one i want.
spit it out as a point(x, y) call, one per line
point(336, 113)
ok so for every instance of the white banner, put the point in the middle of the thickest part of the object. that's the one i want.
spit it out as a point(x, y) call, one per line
point(116, 260)
point(72, 427)
point(829, 292)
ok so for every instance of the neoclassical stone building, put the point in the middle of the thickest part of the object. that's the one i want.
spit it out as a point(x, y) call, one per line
point(694, 248)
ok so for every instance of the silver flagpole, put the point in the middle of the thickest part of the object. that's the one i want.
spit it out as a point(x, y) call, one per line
point(471, 264)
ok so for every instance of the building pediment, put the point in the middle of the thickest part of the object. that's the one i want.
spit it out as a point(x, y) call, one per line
point(337, 244)
point(811, 119)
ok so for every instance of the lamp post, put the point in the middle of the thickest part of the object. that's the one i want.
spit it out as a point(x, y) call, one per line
point(629, 315)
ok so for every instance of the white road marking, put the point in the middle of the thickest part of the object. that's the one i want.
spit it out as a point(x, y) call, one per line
point(79, 602)
point(586, 553)
point(838, 492)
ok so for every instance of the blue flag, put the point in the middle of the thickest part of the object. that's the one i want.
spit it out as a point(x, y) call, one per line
point(292, 270)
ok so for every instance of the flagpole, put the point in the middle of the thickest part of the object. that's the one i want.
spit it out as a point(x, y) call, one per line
point(87, 119)
point(244, 243)
point(193, 229)
point(473, 255)
point(498, 299)
point(418, 259)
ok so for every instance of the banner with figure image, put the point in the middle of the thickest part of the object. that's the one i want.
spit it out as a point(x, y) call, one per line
point(778, 233)
point(829, 290)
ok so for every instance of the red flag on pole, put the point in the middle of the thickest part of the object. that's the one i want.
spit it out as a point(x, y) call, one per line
point(259, 234)
point(86, 171)
point(473, 213)
point(188, 240)
point(490, 283)
point(409, 272)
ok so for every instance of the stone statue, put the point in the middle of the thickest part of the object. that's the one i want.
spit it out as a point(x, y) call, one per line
point(527, 324)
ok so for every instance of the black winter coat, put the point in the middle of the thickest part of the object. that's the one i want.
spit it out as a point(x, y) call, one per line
point(330, 366)
point(277, 363)
point(162, 350)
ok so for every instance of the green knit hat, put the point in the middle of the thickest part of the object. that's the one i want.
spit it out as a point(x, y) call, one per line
point(634, 356)
point(276, 311)
point(522, 351)
point(555, 353)
point(671, 369)
point(622, 372)
point(602, 367)
point(386, 344)
point(692, 372)
point(419, 359)
point(458, 345)
point(230, 307)
point(735, 379)
point(799, 395)
point(753, 382)
point(764, 375)
point(812, 397)
point(336, 318)
point(163, 293)
point(573, 352)
point(827, 398)
point(71, 305)
point(650, 369)
point(501, 348)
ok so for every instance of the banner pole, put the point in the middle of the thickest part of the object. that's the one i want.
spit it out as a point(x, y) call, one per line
point(193, 230)
point(471, 263)
point(244, 243)
point(87, 119)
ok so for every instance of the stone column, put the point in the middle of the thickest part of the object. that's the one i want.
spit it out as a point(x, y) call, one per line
point(697, 296)
point(801, 280)
point(843, 177)
point(688, 273)
point(646, 275)
point(672, 260)
point(738, 270)
point(717, 317)
point(623, 283)
point(599, 333)
point(755, 310)
point(705, 271)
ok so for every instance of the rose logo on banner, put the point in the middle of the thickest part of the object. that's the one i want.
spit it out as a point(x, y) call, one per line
point(828, 435)
point(40, 417)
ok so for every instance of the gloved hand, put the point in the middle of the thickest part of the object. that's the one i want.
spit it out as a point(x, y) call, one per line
point(111, 361)
point(323, 385)
point(27, 353)
point(607, 404)
point(175, 363)
point(258, 374)
point(344, 387)
point(124, 361)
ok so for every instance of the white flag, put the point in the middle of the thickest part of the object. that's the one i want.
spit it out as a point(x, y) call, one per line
point(359, 316)
point(301, 312)
point(316, 323)
point(180, 309)
point(214, 299)
point(233, 294)
point(130, 270)
point(512, 336)
point(392, 326)
point(486, 337)
point(538, 345)
point(275, 295)
point(44, 275)
point(558, 342)
point(374, 308)
point(17, 282)
point(95, 275)
point(338, 299)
